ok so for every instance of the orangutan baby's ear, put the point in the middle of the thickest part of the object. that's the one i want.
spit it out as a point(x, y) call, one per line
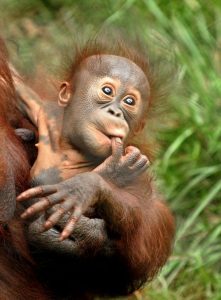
point(64, 94)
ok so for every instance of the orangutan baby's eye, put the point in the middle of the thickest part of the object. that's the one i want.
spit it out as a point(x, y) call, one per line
point(107, 90)
point(129, 101)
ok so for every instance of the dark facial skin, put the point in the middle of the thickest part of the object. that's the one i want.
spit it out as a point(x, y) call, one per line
point(110, 94)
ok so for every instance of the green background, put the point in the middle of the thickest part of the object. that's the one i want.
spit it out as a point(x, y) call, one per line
point(188, 166)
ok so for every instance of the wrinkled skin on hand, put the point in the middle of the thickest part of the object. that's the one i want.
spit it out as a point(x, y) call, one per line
point(122, 169)
point(74, 196)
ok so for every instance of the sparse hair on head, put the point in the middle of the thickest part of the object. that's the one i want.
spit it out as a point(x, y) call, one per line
point(156, 67)
point(114, 43)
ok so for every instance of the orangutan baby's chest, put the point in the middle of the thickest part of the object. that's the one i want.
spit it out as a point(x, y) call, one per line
point(51, 167)
point(53, 164)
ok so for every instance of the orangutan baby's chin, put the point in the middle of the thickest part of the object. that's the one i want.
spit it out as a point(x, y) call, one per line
point(102, 147)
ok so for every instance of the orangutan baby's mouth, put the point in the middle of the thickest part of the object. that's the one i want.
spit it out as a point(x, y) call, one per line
point(111, 136)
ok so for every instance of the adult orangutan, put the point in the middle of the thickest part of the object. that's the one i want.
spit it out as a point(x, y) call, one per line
point(116, 232)
point(17, 279)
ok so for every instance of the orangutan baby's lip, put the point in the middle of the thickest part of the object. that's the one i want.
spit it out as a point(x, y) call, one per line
point(117, 137)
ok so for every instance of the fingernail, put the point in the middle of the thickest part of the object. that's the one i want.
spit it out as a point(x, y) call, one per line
point(47, 225)
point(64, 235)
point(118, 140)
point(61, 238)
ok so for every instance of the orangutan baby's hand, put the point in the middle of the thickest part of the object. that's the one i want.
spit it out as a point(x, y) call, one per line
point(123, 168)
point(71, 197)
point(74, 196)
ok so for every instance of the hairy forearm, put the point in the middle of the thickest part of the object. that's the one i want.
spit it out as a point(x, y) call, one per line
point(28, 101)
point(7, 190)
point(120, 208)
point(8, 160)
point(143, 223)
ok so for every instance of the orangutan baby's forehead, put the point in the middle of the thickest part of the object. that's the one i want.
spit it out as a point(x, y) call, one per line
point(116, 67)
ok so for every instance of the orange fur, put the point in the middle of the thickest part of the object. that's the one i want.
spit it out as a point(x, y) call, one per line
point(145, 224)
point(17, 279)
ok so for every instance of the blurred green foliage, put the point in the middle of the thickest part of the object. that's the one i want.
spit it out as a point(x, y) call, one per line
point(189, 164)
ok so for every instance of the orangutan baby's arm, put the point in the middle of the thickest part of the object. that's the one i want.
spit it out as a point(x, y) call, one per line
point(138, 225)
point(120, 170)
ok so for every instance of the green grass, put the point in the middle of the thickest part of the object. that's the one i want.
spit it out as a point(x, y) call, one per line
point(189, 164)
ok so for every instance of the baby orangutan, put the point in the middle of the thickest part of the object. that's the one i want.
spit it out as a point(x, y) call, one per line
point(86, 168)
